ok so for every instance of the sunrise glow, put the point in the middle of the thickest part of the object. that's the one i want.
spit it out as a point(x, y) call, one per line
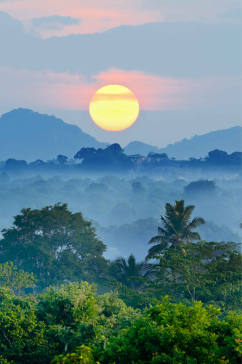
point(114, 108)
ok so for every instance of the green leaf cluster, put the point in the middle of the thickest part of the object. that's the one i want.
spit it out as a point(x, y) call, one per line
point(55, 245)
point(174, 333)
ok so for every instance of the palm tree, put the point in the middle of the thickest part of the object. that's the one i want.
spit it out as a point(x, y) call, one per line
point(122, 270)
point(176, 228)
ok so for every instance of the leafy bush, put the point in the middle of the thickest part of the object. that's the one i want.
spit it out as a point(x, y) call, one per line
point(114, 315)
point(173, 333)
point(83, 355)
point(23, 339)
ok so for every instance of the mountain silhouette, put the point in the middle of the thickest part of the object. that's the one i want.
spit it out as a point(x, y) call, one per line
point(28, 135)
point(198, 146)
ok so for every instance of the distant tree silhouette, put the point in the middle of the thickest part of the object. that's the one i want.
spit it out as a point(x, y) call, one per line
point(111, 157)
point(13, 164)
point(62, 159)
point(37, 163)
point(197, 188)
point(85, 152)
point(221, 157)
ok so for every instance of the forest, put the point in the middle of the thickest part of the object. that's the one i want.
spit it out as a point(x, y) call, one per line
point(112, 259)
point(62, 301)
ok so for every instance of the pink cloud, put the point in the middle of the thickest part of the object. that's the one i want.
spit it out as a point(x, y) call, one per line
point(97, 16)
point(21, 88)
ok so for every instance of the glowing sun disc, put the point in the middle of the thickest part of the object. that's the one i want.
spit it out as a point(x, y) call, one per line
point(114, 108)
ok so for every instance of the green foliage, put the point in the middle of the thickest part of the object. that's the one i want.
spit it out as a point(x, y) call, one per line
point(4, 361)
point(136, 299)
point(70, 304)
point(176, 228)
point(23, 339)
point(210, 272)
point(82, 355)
point(15, 279)
point(173, 333)
point(114, 315)
point(125, 271)
point(72, 313)
point(77, 315)
point(55, 245)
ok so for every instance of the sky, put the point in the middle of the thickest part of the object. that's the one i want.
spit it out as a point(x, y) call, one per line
point(182, 60)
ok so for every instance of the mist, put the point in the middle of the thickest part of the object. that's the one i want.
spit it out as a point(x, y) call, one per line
point(125, 207)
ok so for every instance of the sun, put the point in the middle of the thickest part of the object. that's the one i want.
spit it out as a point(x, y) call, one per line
point(114, 108)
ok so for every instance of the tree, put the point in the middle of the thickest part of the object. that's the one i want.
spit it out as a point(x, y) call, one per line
point(15, 164)
point(198, 188)
point(111, 158)
point(125, 271)
point(55, 245)
point(82, 355)
point(174, 333)
point(176, 228)
point(85, 152)
point(62, 159)
point(203, 271)
point(23, 338)
point(14, 279)
point(38, 163)
point(217, 156)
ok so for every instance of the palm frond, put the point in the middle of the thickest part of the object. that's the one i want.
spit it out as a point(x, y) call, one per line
point(158, 239)
point(188, 213)
point(161, 231)
point(155, 250)
point(193, 236)
point(195, 223)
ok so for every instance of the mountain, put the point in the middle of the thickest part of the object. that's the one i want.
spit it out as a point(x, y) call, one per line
point(198, 146)
point(28, 135)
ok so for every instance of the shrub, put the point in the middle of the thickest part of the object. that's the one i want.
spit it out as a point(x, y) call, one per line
point(173, 333)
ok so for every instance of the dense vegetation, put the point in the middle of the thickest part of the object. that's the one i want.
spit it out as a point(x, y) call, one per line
point(183, 306)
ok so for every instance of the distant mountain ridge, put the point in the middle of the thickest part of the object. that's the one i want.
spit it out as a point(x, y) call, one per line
point(28, 135)
point(229, 140)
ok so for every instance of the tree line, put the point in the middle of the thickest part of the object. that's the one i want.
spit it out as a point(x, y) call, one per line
point(113, 158)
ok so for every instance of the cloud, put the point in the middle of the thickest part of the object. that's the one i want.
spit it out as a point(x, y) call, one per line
point(166, 49)
point(73, 92)
point(92, 12)
point(232, 15)
point(55, 22)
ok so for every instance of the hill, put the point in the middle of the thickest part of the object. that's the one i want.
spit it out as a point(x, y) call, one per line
point(198, 146)
point(28, 135)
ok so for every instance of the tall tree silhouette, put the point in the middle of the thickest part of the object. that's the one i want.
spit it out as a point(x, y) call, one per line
point(177, 228)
